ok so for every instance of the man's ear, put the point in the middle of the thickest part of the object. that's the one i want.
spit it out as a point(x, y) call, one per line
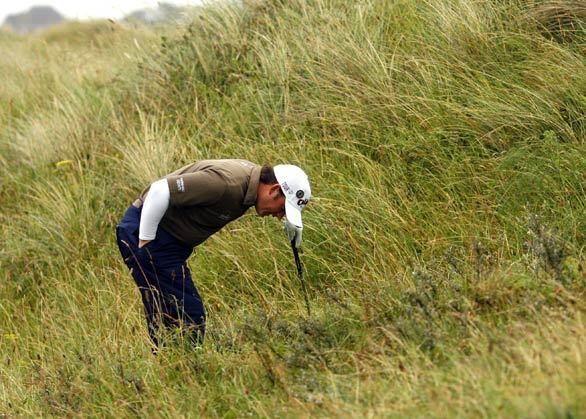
point(275, 190)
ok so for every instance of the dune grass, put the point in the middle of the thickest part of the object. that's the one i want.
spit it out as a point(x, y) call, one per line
point(444, 246)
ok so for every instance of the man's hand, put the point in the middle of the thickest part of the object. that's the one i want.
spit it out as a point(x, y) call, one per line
point(293, 233)
point(142, 243)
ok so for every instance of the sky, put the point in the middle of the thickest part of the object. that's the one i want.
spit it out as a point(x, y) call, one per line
point(86, 9)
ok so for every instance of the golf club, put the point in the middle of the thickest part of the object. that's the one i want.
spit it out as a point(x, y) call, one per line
point(300, 274)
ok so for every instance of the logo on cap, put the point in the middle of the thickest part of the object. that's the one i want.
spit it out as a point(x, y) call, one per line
point(300, 194)
point(286, 188)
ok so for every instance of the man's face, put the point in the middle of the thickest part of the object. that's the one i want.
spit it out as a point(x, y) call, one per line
point(270, 201)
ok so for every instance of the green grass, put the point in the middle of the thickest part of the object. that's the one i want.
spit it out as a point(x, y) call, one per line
point(444, 247)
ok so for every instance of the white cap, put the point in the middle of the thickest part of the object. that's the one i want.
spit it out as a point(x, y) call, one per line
point(295, 186)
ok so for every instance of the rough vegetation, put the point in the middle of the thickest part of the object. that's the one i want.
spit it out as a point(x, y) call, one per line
point(444, 248)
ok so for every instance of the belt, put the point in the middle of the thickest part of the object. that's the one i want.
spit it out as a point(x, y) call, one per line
point(137, 203)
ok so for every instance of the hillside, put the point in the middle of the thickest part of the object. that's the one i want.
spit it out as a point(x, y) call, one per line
point(36, 18)
point(444, 248)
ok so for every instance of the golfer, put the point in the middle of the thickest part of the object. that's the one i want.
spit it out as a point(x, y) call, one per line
point(159, 230)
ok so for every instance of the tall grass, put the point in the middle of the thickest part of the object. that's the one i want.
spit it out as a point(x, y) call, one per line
point(444, 248)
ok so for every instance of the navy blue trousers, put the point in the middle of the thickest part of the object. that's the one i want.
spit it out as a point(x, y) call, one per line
point(160, 270)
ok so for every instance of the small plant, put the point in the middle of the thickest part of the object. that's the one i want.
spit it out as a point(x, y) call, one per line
point(548, 249)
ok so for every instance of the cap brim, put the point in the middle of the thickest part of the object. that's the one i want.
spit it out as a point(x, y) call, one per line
point(293, 214)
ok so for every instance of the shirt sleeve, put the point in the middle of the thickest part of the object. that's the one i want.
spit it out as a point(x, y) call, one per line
point(202, 188)
point(154, 207)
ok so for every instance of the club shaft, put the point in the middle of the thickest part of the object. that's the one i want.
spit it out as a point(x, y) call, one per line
point(300, 274)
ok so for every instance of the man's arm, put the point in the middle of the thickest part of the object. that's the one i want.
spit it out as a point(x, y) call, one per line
point(154, 207)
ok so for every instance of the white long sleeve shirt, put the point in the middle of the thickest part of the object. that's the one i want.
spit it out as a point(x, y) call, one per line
point(154, 207)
